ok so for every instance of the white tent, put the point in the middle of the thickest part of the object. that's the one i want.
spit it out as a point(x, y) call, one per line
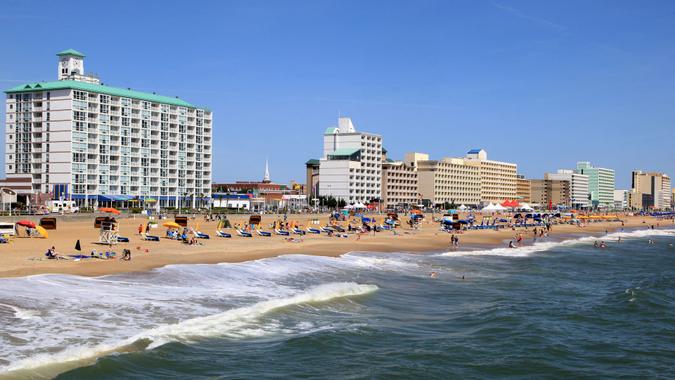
point(349, 207)
point(462, 207)
point(489, 208)
point(525, 206)
point(360, 205)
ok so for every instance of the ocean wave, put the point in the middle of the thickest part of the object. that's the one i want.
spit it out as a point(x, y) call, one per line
point(21, 313)
point(230, 321)
point(528, 250)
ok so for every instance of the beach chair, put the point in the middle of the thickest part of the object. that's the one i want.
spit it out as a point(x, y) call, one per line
point(263, 233)
point(313, 231)
point(223, 234)
point(149, 237)
point(121, 239)
point(298, 231)
point(327, 229)
point(243, 233)
point(282, 232)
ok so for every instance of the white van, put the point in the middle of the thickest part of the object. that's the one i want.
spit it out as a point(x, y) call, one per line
point(62, 206)
point(7, 229)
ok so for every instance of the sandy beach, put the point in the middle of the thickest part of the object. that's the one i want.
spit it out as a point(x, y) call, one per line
point(26, 256)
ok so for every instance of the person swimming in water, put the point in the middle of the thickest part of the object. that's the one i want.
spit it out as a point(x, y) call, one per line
point(511, 244)
point(596, 245)
point(603, 245)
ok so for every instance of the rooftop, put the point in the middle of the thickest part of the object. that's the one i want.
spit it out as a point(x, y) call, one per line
point(70, 52)
point(344, 152)
point(99, 88)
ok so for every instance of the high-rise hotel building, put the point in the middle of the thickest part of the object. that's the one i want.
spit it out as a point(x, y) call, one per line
point(79, 139)
point(351, 166)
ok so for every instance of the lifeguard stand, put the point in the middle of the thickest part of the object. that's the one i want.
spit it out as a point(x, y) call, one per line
point(108, 232)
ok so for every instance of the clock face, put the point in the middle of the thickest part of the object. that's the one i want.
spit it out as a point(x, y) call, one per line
point(64, 63)
point(76, 63)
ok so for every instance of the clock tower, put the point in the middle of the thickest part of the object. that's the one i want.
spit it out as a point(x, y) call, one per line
point(71, 64)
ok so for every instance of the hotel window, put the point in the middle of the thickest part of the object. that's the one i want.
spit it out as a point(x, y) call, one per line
point(79, 95)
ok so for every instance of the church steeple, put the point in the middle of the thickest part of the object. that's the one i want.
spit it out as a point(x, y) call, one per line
point(267, 179)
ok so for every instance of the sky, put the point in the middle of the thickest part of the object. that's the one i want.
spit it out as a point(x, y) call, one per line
point(540, 83)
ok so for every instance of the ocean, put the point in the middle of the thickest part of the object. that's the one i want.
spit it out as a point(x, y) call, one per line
point(555, 309)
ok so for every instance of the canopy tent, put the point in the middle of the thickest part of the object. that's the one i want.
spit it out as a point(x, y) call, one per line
point(525, 206)
point(499, 207)
point(360, 205)
point(489, 208)
point(510, 204)
point(462, 207)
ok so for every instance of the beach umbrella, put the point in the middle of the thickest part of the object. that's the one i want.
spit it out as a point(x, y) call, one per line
point(42, 231)
point(111, 210)
point(26, 223)
point(171, 225)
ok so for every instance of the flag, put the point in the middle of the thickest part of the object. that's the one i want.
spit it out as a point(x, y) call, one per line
point(77, 246)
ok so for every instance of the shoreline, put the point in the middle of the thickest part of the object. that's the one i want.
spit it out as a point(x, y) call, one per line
point(25, 256)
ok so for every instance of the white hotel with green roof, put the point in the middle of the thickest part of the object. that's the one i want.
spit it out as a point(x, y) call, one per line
point(351, 166)
point(79, 139)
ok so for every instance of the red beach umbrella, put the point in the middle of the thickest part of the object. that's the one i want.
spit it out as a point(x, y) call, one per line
point(26, 223)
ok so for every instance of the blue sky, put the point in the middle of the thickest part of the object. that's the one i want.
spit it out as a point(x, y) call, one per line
point(540, 83)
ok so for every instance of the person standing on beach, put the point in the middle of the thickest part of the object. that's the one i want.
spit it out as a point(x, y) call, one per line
point(140, 229)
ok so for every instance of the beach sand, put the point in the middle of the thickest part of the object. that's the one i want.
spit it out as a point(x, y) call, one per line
point(25, 256)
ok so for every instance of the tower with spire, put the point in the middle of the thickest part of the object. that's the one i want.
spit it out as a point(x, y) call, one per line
point(267, 179)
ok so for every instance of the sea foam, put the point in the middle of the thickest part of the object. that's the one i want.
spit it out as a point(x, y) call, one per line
point(191, 329)
point(542, 246)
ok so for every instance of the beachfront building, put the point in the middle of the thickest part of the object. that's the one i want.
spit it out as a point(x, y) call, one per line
point(550, 193)
point(76, 138)
point(498, 180)
point(523, 189)
point(578, 187)
point(312, 178)
point(621, 199)
point(399, 181)
point(650, 191)
point(351, 166)
point(449, 180)
point(601, 184)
